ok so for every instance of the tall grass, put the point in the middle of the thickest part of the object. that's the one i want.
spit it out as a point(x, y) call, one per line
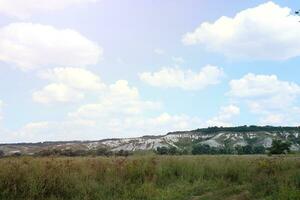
point(150, 178)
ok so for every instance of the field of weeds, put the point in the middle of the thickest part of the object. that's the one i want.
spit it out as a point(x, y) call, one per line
point(150, 178)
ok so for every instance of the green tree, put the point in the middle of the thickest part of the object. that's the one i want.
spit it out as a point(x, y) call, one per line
point(279, 147)
point(173, 151)
point(1, 153)
point(162, 150)
point(247, 149)
point(102, 151)
point(239, 149)
point(259, 149)
point(201, 149)
point(123, 153)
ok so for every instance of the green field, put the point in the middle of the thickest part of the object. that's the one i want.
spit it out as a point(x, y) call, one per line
point(151, 177)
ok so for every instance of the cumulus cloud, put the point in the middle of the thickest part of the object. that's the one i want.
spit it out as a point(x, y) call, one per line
point(273, 99)
point(157, 125)
point(26, 8)
point(273, 118)
point(225, 116)
point(100, 128)
point(271, 92)
point(120, 99)
point(184, 79)
point(33, 131)
point(67, 85)
point(168, 122)
point(76, 78)
point(267, 32)
point(120, 111)
point(56, 92)
point(30, 46)
point(50, 131)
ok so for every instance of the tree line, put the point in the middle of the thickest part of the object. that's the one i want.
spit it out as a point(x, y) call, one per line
point(278, 147)
point(246, 128)
point(102, 151)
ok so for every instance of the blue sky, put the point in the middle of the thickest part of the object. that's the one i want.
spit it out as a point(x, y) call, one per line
point(93, 69)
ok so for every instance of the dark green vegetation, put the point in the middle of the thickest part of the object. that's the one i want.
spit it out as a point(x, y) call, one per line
point(73, 152)
point(240, 150)
point(278, 147)
point(252, 128)
point(151, 178)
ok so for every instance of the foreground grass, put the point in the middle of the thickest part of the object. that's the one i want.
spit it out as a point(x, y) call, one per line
point(151, 178)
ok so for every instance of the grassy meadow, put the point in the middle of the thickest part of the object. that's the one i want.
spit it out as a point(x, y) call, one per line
point(150, 178)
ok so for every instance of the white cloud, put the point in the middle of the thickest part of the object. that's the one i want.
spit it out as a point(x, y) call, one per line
point(24, 9)
point(67, 85)
point(252, 85)
point(186, 80)
point(33, 131)
point(103, 128)
point(267, 32)
point(157, 125)
point(271, 92)
point(51, 131)
point(57, 92)
point(76, 78)
point(267, 96)
point(120, 99)
point(225, 116)
point(30, 46)
point(273, 119)
point(119, 112)
point(168, 122)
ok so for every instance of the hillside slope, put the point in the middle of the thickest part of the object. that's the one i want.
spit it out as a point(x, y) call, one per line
point(214, 137)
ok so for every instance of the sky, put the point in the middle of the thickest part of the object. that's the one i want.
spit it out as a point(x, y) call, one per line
point(94, 69)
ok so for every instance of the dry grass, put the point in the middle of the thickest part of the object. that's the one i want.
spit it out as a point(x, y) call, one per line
point(150, 178)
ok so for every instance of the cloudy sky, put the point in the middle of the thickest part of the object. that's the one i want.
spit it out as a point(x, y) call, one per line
point(93, 69)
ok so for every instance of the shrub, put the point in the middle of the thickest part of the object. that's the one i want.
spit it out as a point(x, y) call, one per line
point(171, 151)
point(123, 153)
point(162, 150)
point(279, 147)
point(201, 149)
point(102, 151)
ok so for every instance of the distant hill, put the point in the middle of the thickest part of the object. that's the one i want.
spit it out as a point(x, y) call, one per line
point(213, 136)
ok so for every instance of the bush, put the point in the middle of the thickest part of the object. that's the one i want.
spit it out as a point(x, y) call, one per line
point(171, 151)
point(62, 152)
point(279, 147)
point(249, 149)
point(162, 150)
point(259, 150)
point(201, 149)
point(123, 153)
point(103, 152)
